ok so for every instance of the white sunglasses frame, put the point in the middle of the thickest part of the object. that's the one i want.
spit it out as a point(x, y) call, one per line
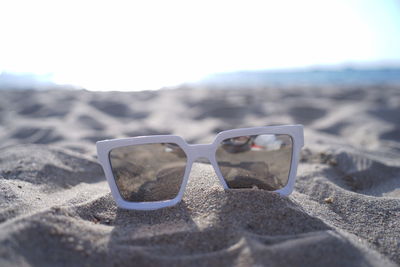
point(193, 152)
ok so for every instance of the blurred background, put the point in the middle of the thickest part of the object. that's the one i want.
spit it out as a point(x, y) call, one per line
point(147, 45)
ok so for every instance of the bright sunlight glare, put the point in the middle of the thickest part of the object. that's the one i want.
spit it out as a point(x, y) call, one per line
point(138, 45)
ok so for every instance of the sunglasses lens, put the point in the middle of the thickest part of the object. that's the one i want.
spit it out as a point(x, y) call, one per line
point(149, 172)
point(261, 161)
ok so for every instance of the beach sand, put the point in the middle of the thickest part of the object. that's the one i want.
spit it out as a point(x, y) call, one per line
point(56, 207)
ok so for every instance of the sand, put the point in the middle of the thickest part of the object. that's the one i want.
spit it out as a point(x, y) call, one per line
point(56, 208)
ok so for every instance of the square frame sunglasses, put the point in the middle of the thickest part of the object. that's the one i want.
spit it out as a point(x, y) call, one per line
point(230, 140)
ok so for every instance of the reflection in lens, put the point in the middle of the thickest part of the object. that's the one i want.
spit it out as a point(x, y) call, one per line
point(261, 161)
point(149, 172)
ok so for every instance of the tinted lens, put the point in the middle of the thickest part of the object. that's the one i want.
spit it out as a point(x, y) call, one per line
point(261, 161)
point(150, 172)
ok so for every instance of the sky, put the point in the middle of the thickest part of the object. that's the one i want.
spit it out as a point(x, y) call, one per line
point(138, 45)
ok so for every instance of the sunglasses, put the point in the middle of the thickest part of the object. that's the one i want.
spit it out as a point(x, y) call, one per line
point(151, 172)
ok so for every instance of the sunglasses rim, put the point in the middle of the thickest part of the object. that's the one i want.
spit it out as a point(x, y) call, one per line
point(194, 151)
